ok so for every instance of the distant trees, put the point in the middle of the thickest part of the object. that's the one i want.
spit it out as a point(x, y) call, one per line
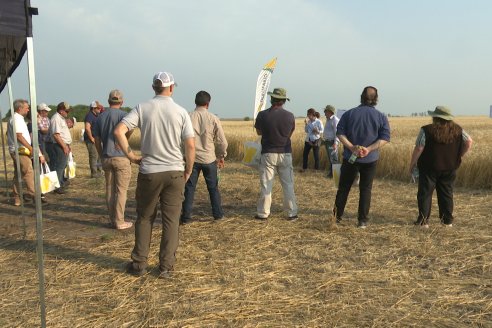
point(419, 114)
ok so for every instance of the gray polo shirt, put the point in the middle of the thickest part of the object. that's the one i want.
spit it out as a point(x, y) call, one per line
point(164, 125)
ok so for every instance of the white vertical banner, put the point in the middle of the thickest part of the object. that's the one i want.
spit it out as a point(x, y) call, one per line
point(262, 86)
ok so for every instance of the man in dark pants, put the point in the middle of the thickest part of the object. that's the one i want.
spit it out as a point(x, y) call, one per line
point(363, 130)
point(167, 139)
point(59, 146)
point(210, 150)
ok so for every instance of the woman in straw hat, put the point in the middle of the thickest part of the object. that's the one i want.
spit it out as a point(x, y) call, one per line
point(437, 154)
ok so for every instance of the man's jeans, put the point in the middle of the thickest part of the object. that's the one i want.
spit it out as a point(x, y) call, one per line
point(93, 157)
point(282, 164)
point(347, 176)
point(210, 175)
point(58, 160)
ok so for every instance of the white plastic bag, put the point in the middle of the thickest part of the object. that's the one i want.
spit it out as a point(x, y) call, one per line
point(69, 172)
point(48, 180)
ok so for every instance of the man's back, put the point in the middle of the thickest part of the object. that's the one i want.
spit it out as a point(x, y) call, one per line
point(364, 125)
point(209, 134)
point(103, 128)
point(276, 126)
point(163, 126)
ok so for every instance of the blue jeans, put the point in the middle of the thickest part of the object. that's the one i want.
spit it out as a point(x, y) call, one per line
point(58, 160)
point(210, 175)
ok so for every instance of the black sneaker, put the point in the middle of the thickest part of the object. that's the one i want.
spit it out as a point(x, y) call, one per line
point(130, 268)
point(339, 220)
point(165, 274)
point(185, 221)
point(59, 191)
point(292, 218)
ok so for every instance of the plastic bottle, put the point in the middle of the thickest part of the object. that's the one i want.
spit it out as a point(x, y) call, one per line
point(353, 157)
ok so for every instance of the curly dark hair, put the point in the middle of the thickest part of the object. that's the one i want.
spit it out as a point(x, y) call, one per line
point(444, 131)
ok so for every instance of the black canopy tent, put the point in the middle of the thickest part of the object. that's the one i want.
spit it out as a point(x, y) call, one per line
point(15, 41)
point(15, 27)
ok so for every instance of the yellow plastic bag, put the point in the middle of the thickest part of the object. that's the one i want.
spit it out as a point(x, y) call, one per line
point(252, 154)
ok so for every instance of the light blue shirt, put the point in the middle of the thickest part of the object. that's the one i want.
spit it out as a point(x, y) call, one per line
point(314, 129)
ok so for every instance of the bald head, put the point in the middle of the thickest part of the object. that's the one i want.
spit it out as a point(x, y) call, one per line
point(369, 96)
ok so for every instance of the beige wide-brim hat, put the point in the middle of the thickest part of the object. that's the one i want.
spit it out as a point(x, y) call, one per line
point(442, 112)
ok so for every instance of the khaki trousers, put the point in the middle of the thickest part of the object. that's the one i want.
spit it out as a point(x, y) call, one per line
point(282, 164)
point(168, 189)
point(118, 172)
point(27, 175)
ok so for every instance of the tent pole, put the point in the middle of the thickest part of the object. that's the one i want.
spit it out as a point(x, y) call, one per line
point(4, 158)
point(37, 185)
point(19, 176)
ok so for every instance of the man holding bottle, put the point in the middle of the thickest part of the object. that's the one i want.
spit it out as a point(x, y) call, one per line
point(363, 130)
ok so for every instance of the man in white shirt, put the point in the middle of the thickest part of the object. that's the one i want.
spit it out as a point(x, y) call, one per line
point(21, 108)
point(59, 147)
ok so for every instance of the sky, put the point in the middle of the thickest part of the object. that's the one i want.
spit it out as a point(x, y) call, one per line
point(418, 54)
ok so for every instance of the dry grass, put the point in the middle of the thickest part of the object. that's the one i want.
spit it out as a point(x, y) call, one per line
point(243, 273)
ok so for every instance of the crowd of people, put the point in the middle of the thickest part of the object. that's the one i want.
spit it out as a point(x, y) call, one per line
point(176, 146)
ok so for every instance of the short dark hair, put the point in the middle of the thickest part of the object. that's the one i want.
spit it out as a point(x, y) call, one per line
point(277, 101)
point(202, 98)
point(369, 96)
point(311, 111)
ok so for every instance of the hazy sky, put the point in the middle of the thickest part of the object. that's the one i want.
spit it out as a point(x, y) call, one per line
point(418, 54)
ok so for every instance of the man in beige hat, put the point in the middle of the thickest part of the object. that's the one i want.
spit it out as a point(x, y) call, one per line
point(330, 138)
point(116, 166)
point(59, 143)
point(437, 154)
point(275, 125)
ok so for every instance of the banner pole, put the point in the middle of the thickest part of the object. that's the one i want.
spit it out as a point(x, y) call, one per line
point(4, 157)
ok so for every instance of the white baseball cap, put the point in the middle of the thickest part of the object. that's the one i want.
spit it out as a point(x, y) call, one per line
point(94, 104)
point(166, 79)
point(43, 106)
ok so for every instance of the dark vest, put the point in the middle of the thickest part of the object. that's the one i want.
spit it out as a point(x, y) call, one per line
point(438, 156)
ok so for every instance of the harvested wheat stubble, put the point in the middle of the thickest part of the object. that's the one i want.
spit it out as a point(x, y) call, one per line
point(244, 273)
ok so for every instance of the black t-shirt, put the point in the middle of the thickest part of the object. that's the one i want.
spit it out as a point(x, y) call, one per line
point(276, 126)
